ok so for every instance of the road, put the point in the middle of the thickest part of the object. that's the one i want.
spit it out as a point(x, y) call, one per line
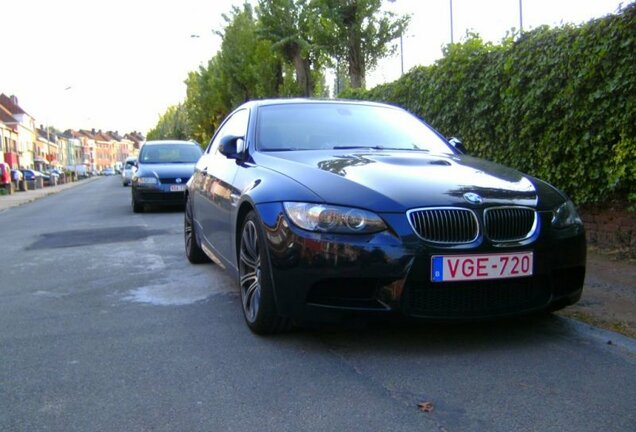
point(105, 326)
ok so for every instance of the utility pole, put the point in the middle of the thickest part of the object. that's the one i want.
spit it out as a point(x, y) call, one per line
point(401, 56)
point(451, 19)
point(520, 16)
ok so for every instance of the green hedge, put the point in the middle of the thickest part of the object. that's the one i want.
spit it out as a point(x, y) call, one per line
point(557, 103)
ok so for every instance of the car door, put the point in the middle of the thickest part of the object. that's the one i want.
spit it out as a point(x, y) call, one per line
point(213, 201)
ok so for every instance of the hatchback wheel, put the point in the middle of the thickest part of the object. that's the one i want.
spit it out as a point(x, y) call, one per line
point(257, 293)
point(192, 249)
point(136, 205)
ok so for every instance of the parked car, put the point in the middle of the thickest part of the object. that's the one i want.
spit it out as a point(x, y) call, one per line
point(108, 171)
point(326, 208)
point(163, 169)
point(128, 169)
point(32, 175)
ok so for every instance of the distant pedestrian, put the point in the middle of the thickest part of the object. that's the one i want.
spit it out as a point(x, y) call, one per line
point(17, 177)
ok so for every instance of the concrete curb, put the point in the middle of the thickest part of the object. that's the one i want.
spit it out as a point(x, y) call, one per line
point(605, 337)
point(20, 198)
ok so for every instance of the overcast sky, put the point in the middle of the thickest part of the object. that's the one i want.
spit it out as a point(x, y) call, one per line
point(118, 64)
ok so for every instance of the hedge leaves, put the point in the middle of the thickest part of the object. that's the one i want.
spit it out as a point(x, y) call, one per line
point(557, 103)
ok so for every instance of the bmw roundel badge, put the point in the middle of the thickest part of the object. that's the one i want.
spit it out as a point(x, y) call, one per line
point(178, 180)
point(473, 198)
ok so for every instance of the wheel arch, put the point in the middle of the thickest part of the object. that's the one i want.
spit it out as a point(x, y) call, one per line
point(244, 209)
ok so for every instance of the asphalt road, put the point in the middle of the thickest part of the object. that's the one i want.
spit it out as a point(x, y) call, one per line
point(105, 326)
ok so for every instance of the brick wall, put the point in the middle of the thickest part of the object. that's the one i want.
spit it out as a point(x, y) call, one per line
point(610, 228)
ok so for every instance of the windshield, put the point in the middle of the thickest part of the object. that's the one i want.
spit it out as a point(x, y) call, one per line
point(170, 153)
point(343, 126)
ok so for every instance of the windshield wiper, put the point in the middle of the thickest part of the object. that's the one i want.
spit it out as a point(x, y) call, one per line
point(377, 148)
point(359, 147)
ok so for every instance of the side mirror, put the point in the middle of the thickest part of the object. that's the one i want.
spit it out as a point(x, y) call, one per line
point(457, 144)
point(232, 146)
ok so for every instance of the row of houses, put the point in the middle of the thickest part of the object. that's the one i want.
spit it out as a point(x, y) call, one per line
point(23, 145)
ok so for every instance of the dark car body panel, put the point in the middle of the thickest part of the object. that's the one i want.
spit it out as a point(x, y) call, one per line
point(388, 264)
point(399, 180)
point(324, 275)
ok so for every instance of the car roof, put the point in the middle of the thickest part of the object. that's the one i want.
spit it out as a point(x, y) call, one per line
point(292, 101)
point(156, 142)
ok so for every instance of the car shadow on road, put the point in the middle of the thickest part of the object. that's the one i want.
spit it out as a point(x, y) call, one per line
point(156, 209)
point(396, 334)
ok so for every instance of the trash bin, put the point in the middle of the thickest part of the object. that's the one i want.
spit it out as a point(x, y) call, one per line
point(7, 188)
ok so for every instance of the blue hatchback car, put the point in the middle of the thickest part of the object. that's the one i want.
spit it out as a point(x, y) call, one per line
point(163, 169)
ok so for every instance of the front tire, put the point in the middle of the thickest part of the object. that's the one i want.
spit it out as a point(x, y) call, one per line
point(193, 251)
point(257, 291)
point(137, 207)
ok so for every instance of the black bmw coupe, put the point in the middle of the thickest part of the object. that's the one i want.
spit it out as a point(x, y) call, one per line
point(324, 208)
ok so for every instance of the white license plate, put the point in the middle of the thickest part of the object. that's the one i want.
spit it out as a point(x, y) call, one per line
point(446, 268)
point(177, 188)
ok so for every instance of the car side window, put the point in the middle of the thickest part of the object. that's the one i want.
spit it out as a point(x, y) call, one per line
point(235, 125)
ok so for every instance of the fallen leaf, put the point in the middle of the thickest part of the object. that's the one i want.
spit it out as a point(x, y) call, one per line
point(425, 406)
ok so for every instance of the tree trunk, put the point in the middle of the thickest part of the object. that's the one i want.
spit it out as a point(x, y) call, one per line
point(303, 73)
point(356, 58)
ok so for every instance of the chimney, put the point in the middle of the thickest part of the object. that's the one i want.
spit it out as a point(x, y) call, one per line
point(14, 99)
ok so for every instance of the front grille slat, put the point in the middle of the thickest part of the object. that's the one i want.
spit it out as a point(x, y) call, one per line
point(444, 225)
point(173, 180)
point(451, 225)
point(505, 224)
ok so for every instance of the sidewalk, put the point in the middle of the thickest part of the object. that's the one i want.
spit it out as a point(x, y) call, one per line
point(19, 198)
point(609, 295)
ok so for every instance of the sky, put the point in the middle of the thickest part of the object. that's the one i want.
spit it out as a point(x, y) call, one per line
point(118, 64)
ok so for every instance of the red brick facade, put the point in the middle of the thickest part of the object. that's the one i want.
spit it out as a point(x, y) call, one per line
point(610, 228)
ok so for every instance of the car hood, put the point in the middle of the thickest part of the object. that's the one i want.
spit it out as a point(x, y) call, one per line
point(184, 170)
point(400, 180)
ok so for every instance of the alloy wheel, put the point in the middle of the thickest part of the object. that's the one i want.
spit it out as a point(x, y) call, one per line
point(250, 271)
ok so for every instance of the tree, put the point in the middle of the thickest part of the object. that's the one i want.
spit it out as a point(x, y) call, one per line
point(205, 100)
point(172, 124)
point(358, 32)
point(248, 66)
point(245, 68)
point(288, 24)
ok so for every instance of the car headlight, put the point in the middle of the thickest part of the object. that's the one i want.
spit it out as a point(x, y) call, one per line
point(566, 215)
point(147, 180)
point(333, 219)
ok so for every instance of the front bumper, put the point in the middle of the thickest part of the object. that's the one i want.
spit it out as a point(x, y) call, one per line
point(161, 194)
point(323, 276)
